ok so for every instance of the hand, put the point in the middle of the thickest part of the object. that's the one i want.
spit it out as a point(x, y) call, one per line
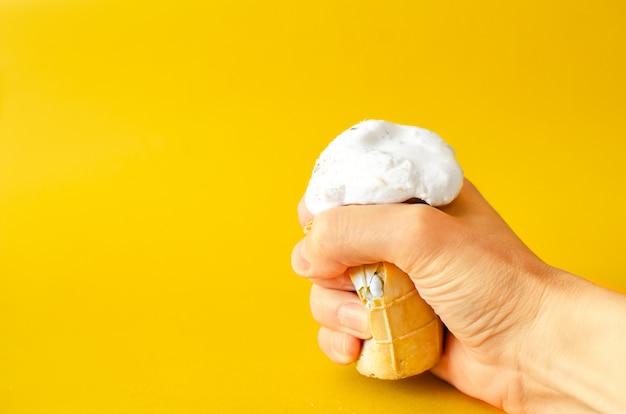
point(492, 293)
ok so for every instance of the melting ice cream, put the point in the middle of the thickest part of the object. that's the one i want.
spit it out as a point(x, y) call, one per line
point(378, 162)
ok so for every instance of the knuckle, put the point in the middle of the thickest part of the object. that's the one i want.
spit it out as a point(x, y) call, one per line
point(419, 234)
point(322, 240)
point(418, 219)
point(319, 304)
point(415, 224)
point(326, 223)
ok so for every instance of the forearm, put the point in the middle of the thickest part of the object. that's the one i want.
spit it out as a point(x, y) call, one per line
point(574, 359)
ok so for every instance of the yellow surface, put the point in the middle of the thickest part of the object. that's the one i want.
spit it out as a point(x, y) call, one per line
point(152, 154)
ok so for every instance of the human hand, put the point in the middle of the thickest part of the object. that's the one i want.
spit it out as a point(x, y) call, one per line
point(488, 288)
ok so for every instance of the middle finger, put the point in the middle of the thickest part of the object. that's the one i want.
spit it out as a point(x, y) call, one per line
point(340, 310)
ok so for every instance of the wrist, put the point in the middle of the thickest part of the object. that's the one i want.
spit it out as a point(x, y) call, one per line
point(573, 356)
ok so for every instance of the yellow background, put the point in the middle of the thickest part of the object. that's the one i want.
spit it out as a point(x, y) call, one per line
point(152, 154)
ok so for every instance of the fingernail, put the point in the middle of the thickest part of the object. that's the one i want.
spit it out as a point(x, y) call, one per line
point(299, 260)
point(355, 318)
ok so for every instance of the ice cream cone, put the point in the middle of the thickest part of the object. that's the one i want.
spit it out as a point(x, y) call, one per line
point(407, 335)
point(379, 162)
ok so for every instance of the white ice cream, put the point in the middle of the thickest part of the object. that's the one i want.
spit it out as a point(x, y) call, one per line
point(378, 162)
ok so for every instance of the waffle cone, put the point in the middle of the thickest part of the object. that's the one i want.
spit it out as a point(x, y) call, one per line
point(407, 335)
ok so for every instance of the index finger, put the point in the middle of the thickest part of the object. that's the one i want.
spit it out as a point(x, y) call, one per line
point(353, 235)
point(304, 215)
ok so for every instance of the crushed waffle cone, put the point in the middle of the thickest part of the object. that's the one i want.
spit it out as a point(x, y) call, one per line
point(407, 335)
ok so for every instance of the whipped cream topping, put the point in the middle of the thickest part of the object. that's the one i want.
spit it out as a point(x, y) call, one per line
point(378, 162)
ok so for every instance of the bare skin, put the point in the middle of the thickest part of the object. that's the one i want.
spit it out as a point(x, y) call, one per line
point(522, 335)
